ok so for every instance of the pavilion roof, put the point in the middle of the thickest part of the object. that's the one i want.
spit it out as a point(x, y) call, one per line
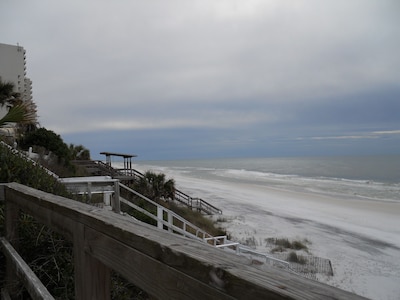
point(118, 154)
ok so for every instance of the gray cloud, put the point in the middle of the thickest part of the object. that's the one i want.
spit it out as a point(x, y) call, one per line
point(265, 70)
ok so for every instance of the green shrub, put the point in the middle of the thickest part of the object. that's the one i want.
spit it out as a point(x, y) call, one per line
point(49, 254)
point(298, 245)
point(48, 140)
point(15, 168)
point(293, 257)
point(197, 218)
point(283, 244)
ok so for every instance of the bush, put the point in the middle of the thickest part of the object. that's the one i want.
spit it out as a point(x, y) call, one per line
point(293, 257)
point(48, 140)
point(197, 218)
point(47, 253)
point(284, 244)
point(15, 168)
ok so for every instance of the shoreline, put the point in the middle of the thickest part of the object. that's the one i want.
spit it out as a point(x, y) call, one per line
point(360, 237)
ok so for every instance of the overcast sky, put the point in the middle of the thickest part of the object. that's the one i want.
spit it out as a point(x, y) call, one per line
point(222, 78)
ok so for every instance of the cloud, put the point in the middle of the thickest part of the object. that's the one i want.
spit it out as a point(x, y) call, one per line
point(387, 132)
point(367, 135)
point(245, 72)
point(344, 137)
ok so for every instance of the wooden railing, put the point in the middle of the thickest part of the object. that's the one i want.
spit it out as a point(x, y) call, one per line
point(196, 203)
point(163, 217)
point(165, 265)
point(181, 197)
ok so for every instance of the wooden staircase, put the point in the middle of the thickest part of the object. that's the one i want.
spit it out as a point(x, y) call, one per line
point(99, 168)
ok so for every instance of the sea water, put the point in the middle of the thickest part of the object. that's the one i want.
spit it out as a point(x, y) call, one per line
point(360, 239)
point(365, 177)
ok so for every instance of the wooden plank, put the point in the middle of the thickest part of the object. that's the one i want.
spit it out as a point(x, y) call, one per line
point(5, 295)
point(149, 274)
point(29, 279)
point(186, 262)
point(11, 214)
point(92, 278)
point(2, 194)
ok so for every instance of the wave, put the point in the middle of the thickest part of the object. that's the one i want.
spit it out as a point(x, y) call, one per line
point(258, 175)
point(354, 188)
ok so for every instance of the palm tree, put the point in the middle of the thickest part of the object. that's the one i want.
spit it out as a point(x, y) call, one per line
point(6, 92)
point(79, 152)
point(20, 112)
point(155, 186)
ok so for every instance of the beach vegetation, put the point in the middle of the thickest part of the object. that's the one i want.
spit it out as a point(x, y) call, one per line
point(6, 92)
point(155, 186)
point(20, 112)
point(49, 140)
point(79, 152)
point(295, 258)
point(53, 153)
point(47, 253)
point(283, 244)
point(250, 241)
point(15, 168)
point(196, 218)
point(221, 220)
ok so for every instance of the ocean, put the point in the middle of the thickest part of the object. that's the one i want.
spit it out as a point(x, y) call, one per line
point(346, 207)
point(364, 177)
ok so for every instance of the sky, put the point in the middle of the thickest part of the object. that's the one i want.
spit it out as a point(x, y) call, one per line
point(181, 79)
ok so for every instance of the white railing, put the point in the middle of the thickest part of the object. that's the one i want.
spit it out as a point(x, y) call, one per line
point(187, 229)
point(164, 218)
point(194, 203)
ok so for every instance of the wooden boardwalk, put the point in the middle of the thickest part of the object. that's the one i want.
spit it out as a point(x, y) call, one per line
point(128, 174)
point(165, 265)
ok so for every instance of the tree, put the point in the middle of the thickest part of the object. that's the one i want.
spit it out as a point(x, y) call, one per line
point(6, 92)
point(49, 140)
point(155, 186)
point(20, 112)
point(79, 152)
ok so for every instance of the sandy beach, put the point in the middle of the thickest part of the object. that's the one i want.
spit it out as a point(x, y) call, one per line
point(361, 237)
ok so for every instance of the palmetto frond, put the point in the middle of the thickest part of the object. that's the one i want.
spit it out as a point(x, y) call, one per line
point(22, 113)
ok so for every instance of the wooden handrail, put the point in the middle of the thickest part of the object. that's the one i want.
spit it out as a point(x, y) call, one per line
point(180, 196)
point(34, 286)
point(165, 265)
point(106, 184)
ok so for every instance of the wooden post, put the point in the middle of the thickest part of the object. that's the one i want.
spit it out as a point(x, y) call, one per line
point(170, 221)
point(159, 217)
point(11, 232)
point(89, 191)
point(92, 278)
point(115, 204)
point(107, 198)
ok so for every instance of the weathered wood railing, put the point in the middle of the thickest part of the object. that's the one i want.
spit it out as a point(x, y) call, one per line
point(181, 197)
point(165, 265)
